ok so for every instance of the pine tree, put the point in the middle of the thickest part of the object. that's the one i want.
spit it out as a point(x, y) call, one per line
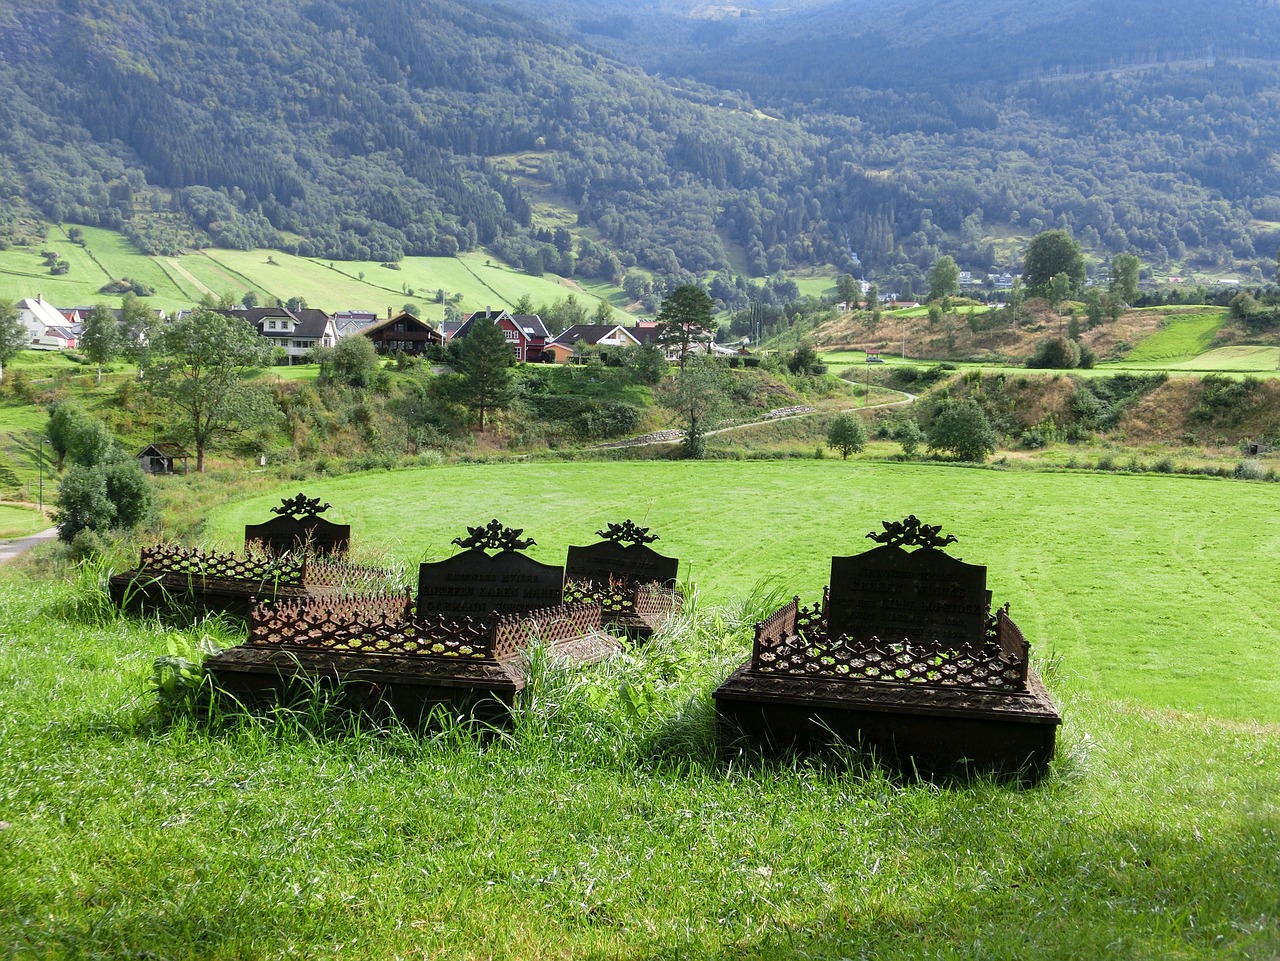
point(484, 361)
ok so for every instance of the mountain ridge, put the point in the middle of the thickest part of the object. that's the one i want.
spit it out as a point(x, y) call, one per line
point(375, 130)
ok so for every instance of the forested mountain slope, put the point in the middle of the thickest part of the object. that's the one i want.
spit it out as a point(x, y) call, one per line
point(1148, 126)
point(379, 128)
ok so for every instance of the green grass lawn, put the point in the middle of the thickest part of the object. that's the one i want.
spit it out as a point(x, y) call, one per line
point(612, 820)
point(1150, 588)
point(20, 521)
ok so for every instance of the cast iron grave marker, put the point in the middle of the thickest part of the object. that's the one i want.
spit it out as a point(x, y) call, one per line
point(299, 527)
point(479, 585)
point(924, 597)
point(614, 559)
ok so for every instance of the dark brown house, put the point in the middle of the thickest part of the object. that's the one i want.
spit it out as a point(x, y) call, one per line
point(403, 333)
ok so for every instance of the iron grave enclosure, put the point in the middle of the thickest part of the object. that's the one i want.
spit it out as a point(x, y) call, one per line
point(903, 658)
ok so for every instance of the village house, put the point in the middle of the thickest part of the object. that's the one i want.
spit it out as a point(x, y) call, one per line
point(298, 332)
point(47, 327)
point(402, 334)
point(526, 333)
point(351, 321)
point(563, 348)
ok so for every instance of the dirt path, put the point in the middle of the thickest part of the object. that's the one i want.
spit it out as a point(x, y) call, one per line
point(673, 436)
point(190, 277)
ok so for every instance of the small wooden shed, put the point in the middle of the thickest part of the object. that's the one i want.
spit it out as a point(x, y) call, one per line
point(160, 458)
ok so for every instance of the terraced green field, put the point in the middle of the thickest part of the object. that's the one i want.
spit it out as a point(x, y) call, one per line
point(1149, 588)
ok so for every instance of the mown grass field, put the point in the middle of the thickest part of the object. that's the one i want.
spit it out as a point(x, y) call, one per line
point(181, 281)
point(612, 820)
point(1252, 359)
point(1185, 336)
point(20, 521)
point(1117, 575)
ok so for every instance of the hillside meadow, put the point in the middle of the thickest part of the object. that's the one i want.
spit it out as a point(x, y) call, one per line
point(180, 282)
point(613, 819)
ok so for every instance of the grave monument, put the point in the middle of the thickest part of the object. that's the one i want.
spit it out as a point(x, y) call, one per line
point(634, 583)
point(903, 658)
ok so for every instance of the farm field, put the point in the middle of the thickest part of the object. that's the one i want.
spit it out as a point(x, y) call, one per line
point(1185, 336)
point(1251, 359)
point(1117, 576)
point(612, 819)
point(181, 281)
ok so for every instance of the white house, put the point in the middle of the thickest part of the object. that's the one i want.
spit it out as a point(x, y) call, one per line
point(47, 327)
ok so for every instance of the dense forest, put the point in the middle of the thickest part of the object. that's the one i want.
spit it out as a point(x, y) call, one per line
point(374, 130)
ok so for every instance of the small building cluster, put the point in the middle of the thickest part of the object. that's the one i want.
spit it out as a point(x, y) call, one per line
point(298, 331)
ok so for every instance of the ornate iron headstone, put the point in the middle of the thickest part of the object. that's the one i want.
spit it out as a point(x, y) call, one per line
point(481, 585)
point(624, 554)
point(922, 597)
point(902, 659)
point(299, 527)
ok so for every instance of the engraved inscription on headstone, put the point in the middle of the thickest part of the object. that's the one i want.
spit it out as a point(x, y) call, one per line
point(924, 597)
point(606, 561)
point(476, 585)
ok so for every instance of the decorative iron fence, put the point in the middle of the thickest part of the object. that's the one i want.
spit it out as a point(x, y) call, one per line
point(383, 623)
point(793, 641)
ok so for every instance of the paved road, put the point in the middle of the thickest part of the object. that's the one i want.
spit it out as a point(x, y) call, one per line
point(11, 549)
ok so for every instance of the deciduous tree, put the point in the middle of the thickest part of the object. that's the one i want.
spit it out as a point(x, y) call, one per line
point(847, 435)
point(1125, 269)
point(100, 337)
point(199, 366)
point(698, 398)
point(13, 335)
point(944, 277)
point(352, 361)
point(1049, 253)
point(961, 428)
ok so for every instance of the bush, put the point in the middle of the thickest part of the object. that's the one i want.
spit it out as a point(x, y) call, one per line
point(1056, 353)
point(962, 429)
point(98, 497)
point(1248, 470)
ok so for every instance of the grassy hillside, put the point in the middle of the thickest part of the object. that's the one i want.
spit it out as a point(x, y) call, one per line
point(1180, 339)
point(332, 285)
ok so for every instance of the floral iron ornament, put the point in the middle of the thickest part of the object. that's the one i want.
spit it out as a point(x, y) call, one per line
point(911, 533)
point(627, 531)
point(494, 537)
point(300, 506)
